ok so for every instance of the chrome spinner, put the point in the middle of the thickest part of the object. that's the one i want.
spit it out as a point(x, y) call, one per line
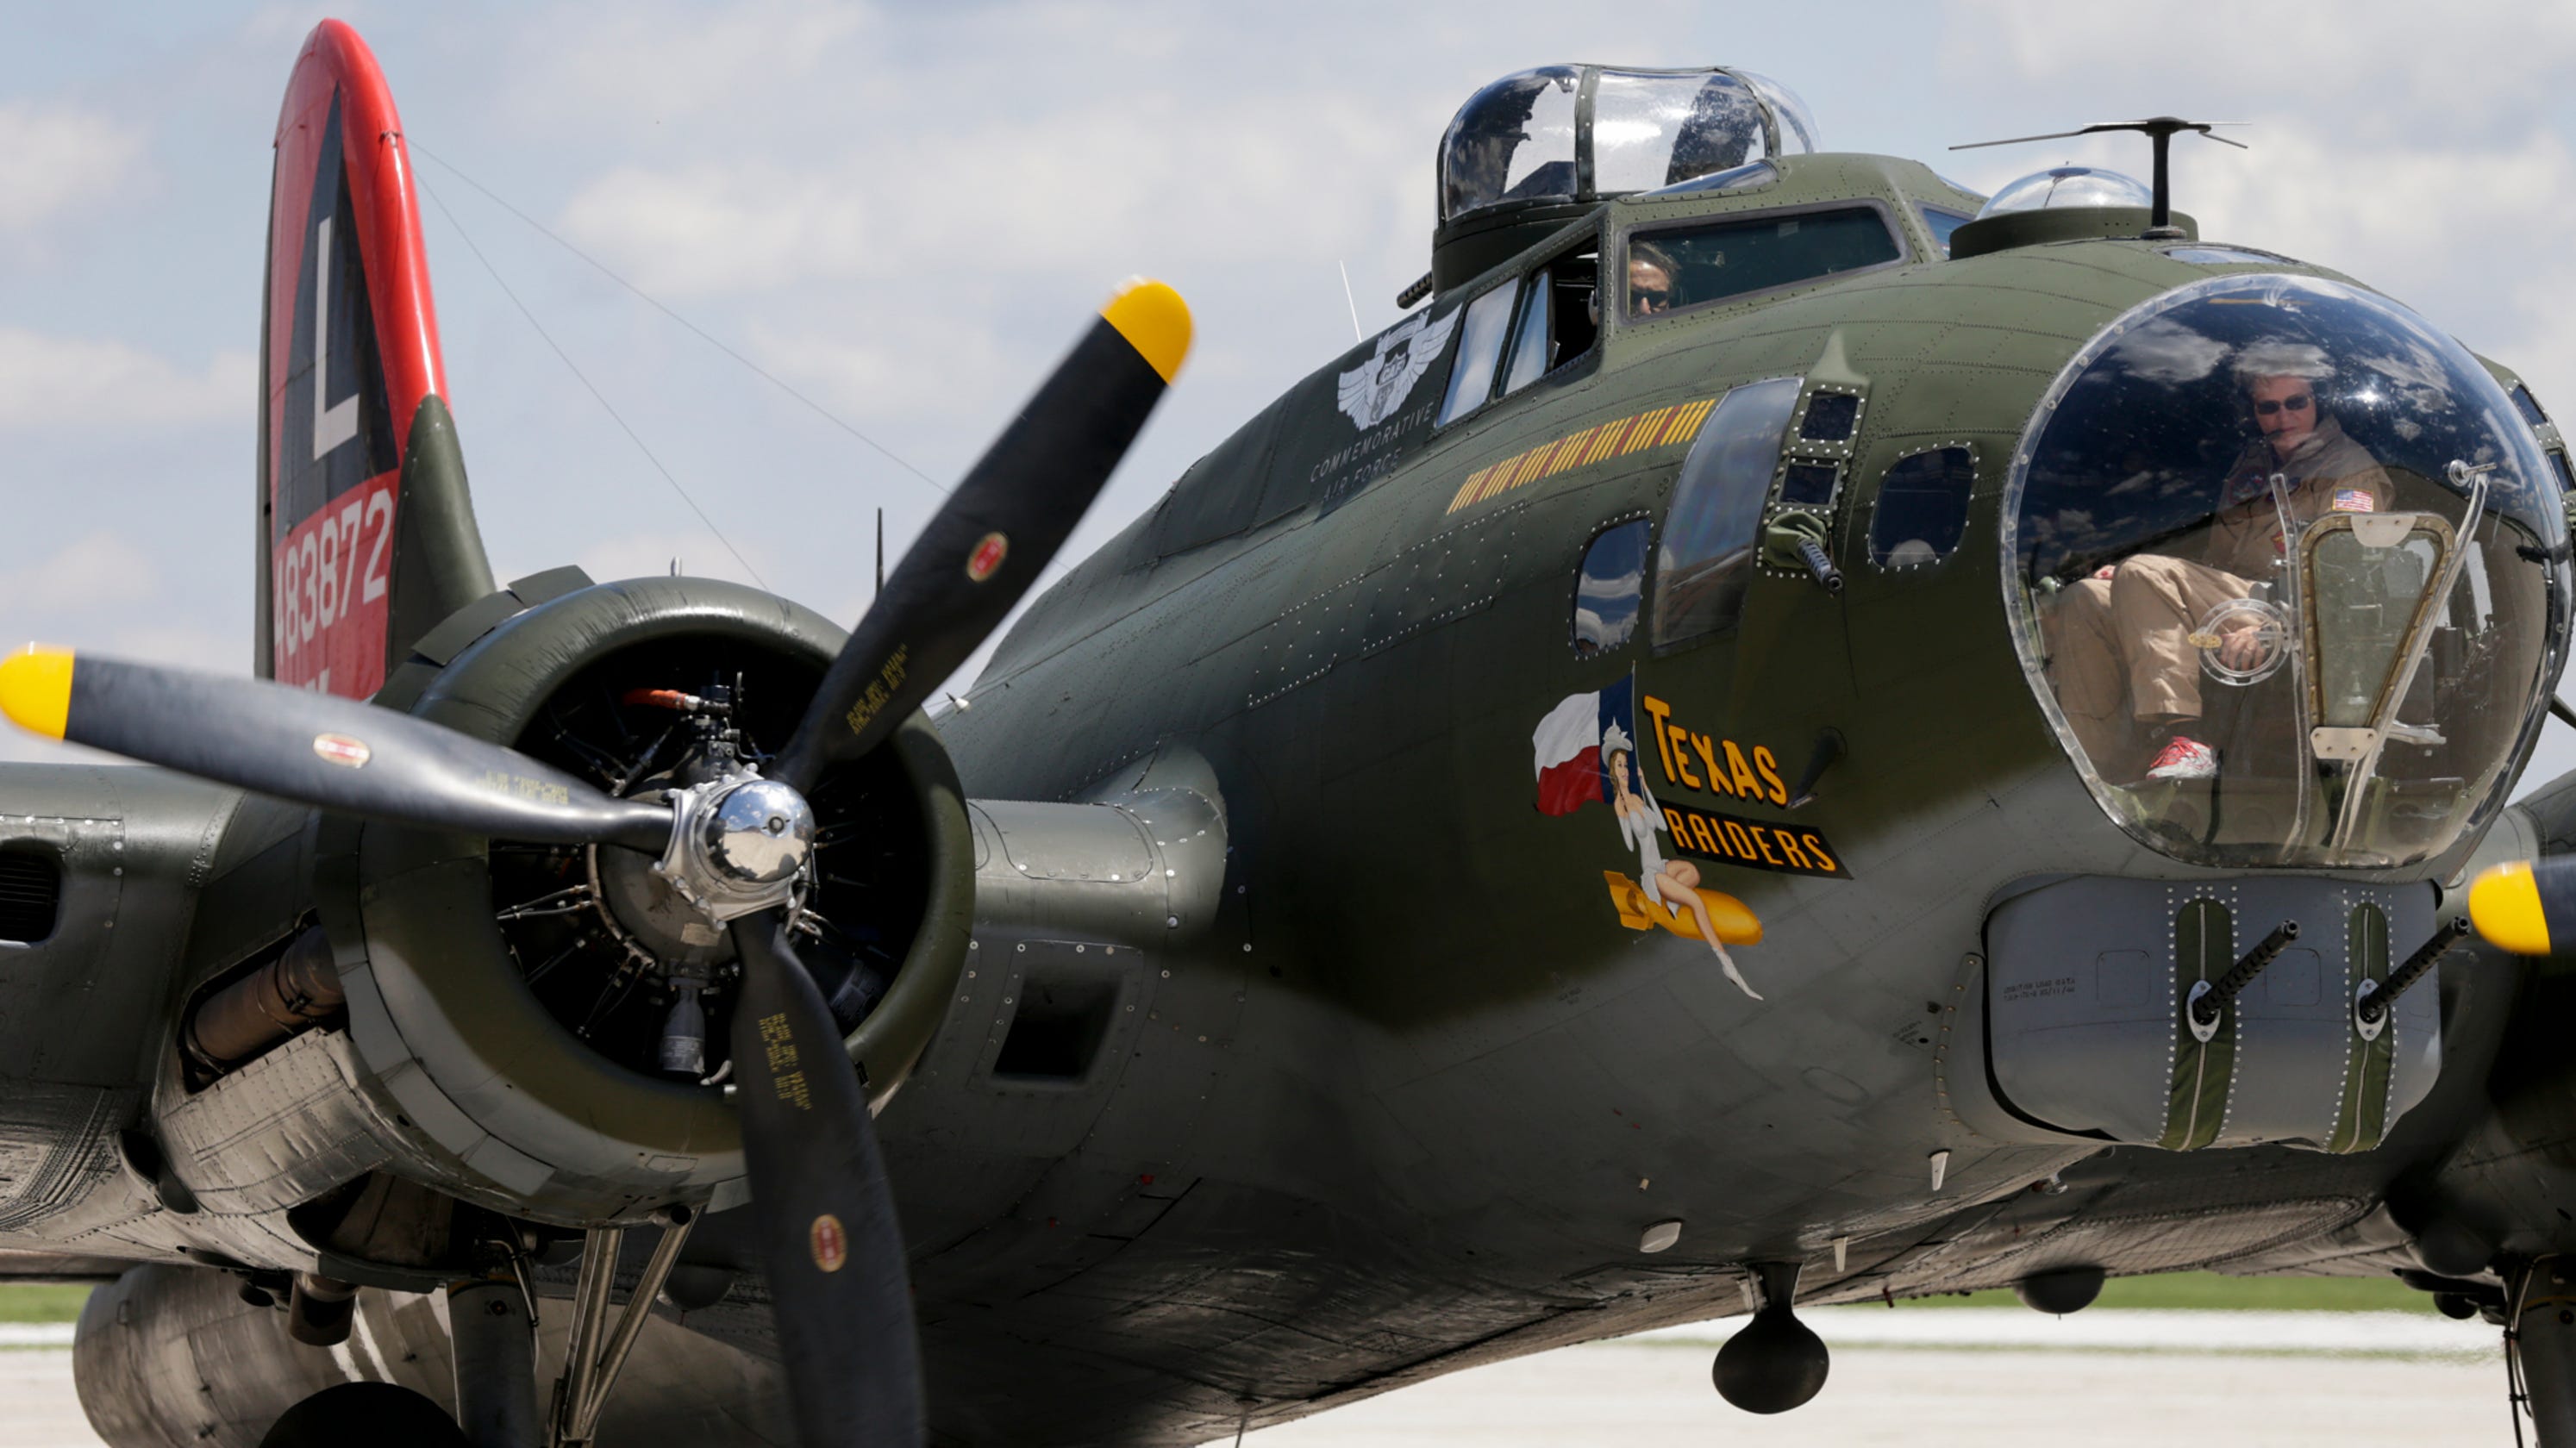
point(739, 843)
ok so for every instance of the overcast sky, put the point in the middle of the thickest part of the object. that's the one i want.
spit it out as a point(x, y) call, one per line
point(906, 211)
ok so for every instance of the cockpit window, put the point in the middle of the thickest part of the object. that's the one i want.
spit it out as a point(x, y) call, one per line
point(2282, 558)
point(1707, 553)
point(1480, 352)
point(1531, 352)
point(1609, 589)
point(1676, 267)
point(1942, 223)
point(2528, 406)
point(1550, 318)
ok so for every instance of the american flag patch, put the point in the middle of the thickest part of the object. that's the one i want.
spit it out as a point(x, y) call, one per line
point(2354, 500)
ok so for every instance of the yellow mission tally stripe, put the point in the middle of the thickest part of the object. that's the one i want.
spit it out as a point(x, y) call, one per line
point(1657, 427)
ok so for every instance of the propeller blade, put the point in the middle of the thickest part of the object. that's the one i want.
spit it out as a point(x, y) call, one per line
point(2526, 905)
point(317, 749)
point(995, 534)
point(838, 1283)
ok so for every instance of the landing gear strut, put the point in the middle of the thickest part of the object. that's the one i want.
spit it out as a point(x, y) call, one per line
point(597, 1350)
point(2541, 1349)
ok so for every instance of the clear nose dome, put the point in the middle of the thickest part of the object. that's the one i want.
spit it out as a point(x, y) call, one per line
point(2288, 569)
point(2062, 186)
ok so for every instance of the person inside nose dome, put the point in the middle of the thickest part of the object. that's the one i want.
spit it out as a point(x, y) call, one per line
point(2128, 669)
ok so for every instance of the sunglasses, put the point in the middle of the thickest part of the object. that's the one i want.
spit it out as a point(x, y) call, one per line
point(1645, 298)
point(2300, 403)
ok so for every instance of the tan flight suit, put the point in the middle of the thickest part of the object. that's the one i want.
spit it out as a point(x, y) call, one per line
point(2119, 648)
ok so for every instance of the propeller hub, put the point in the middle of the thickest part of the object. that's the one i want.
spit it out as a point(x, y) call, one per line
point(739, 843)
point(759, 832)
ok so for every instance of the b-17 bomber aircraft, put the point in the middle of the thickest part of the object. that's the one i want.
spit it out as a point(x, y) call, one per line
point(1793, 734)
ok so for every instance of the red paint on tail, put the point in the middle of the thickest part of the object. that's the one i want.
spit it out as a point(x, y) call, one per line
point(349, 349)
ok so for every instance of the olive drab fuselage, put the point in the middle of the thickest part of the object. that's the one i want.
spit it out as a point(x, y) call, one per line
point(1570, 811)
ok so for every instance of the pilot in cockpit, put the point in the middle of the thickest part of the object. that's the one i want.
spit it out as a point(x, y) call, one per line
point(1651, 279)
point(2121, 652)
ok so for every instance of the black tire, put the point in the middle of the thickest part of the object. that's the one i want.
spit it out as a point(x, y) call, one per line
point(376, 1415)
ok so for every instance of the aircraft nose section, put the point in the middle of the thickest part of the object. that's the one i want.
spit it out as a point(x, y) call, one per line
point(2287, 569)
point(2226, 1012)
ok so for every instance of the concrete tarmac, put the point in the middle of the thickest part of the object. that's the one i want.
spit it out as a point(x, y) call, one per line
point(1657, 1395)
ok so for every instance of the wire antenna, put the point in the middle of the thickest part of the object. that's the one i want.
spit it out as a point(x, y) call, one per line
point(655, 303)
point(2159, 129)
point(593, 388)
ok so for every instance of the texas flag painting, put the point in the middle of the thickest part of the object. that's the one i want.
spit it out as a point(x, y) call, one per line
point(1568, 741)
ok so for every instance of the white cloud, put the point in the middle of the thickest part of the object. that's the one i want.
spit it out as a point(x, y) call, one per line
point(53, 382)
point(2384, 68)
point(906, 361)
point(55, 160)
point(1078, 190)
point(709, 228)
point(2424, 154)
point(688, 60)
point(80, 569)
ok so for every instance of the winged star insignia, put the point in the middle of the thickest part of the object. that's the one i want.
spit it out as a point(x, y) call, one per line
point(1372, 391)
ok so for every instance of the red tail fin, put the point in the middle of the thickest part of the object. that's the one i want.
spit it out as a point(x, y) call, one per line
point(367, 537)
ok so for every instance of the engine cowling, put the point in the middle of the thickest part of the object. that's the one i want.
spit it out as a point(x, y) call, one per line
point(508, 1003)
point(174, 1357)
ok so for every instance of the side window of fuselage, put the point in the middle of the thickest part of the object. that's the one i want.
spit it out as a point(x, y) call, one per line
point(1609, 588)
point(1709, 535)
point(2547, 431)
point(1922, 508)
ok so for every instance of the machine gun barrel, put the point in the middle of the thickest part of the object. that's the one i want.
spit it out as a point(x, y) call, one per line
point(2205, 1008)
point(1820, 565)
point(2375, 1004)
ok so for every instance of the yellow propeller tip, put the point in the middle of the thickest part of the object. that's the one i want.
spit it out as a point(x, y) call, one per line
point(2504, 905)
point(1155, 321)
point(36, 689)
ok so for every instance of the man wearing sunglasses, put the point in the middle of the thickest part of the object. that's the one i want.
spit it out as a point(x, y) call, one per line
point(1651, 275)
point(2121, 648)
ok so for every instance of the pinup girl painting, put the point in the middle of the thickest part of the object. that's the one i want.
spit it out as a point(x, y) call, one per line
point(1673, 882)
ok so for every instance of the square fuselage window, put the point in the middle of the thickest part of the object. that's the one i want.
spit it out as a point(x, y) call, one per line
point(1922, 508)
